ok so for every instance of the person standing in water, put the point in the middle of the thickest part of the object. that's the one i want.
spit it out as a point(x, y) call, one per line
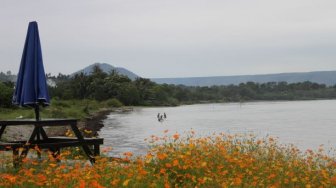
point(159, 117)
point(164, 115)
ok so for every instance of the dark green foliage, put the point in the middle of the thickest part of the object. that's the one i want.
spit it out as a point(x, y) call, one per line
point(113, 103)
point(101, 86)
point(57, 113)
point(118, 90)
point(6, 94)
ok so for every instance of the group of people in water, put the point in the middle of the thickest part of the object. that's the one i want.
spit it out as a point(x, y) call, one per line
point(161, 117)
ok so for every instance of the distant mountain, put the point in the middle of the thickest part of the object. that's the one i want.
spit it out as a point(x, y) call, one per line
point(321, 77)
point(108, 68)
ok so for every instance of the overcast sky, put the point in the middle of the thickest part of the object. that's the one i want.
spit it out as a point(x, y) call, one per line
point(174, 38)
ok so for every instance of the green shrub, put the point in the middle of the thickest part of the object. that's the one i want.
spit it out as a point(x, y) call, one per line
point(6, 93)
point(73, 114)
point(114, 103)
point(57, 113)
point(59, 103)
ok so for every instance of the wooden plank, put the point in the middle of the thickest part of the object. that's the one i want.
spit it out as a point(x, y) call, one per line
point(2, 130)
point(28, 143)
point(54, 142)
point(46, 122)
point(45, 145)
point(96, 149)
point(58, 144)
point(9, 145)
point(56, 153)
point(16, 159)
point(43, 133)
point(81, 139)
point(89, 141)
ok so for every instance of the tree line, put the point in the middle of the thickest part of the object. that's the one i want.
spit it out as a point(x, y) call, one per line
point(103, 86)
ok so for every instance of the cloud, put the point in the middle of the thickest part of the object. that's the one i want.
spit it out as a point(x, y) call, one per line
point(175, 38)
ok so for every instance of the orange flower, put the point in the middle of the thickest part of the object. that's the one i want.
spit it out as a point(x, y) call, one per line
point(166, 185)
point(161, 156)
point(95, 184)
point(175, 162)
point(106, 149)
point(143, 172)
point(172, 163)
point(126, 182)
point(271, 176)
point(128, 154)
point(10, 178)
point(176, 136)
point(168, 165)
point(81, 184)
point(41, 180)
point(201, 180)
point(224, 172)
point(237, 181)
point(162, 171)
point(333, 180)
point(115, 182)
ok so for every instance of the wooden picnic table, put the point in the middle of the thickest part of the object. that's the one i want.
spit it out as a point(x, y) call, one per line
point(40, 139)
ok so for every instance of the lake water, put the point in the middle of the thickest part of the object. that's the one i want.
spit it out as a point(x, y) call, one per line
point(307, 124)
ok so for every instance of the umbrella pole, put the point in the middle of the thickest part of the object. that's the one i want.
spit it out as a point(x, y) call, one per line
point(37, 112)
point(37, 116)
point(38, 131)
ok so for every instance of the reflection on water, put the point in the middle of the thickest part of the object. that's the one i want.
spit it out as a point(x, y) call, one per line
point(306, 124)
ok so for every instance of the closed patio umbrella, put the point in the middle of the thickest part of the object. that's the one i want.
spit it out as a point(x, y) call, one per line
point(31, 87)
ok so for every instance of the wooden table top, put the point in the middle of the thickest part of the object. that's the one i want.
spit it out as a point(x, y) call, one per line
point(46, 122)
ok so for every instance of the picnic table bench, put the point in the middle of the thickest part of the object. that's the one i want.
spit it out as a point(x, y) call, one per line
point(40, 139)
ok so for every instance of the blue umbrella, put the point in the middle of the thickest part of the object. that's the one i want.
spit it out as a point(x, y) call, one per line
point(31, 87)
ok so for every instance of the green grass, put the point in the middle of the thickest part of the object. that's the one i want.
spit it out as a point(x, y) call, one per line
point(78, 109)
point(7, 113)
